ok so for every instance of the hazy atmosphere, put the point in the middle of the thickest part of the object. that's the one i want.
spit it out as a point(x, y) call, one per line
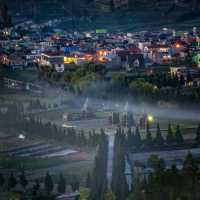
point(99, 100)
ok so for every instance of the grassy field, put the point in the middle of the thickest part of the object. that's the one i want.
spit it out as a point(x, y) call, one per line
point(29, 163)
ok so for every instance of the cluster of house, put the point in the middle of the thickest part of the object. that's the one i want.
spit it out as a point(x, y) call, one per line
point(60, 49)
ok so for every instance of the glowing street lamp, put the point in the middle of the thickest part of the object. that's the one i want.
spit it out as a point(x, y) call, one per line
point(150, 118)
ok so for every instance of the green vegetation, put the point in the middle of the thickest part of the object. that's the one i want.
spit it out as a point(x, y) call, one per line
point(15, 118)
point(169, 184)
point(34, 190)
point(22, 75)
point(119, 184)
point(29, 163)
point(99, 180)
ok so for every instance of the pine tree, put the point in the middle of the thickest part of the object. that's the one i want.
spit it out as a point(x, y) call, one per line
point(61, 184)
point(12, 182)
point(159, 141)
point(99, 181)
point(2, 180)
point(88, 181)
point(149, 139)
point(119, 184)
point(75, 184)
point(179, 137)
point(48, 183)
point(36, 187)
point(170, 137)
point(130, 138)
point(137, 192)
point(189, 163)
point(190, 171)
point(22, 179)
point(109, 195)
point(138, 140)
point(198, 134)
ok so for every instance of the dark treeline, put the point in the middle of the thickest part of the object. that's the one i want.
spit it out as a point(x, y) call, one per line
point(98, 183)
point(161, 184)
point(154, 88)
point(173, 139)
point(159, 87)
point(13, 118)
point(85, 79)
point(46, 189)
point(119, 184)
point(170, 184)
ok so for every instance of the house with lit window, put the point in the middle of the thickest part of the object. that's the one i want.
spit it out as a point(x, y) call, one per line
point(158, 53)
point(54, 60)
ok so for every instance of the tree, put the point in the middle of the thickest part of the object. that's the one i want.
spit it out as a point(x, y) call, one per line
point(155, 162)
point(22, 179)
point(2, 180)
point(178, 135)
point(170, 137)
point(75, 184)
point(119, 184)
point(61, 184)
point(99, 181)
point(137, 192)
point(48, 183)
point(159, 139)
point(84, 193)
point(109, 195)
point(137, 138)
point(189, 163)
point(88, 180)
point(190, 171)
point(149, 139)
point(12, 182)
point(198, 134)
point(36, 187)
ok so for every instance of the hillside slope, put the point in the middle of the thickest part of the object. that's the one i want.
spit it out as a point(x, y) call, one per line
point(138, 14)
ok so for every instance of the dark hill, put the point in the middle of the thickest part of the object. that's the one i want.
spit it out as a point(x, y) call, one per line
point(136, 14)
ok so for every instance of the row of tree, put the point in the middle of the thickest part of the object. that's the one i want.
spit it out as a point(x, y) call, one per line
point(98, 183)
point(13, 118)
point(136, 143)
point(35, 188)
point(119, 183)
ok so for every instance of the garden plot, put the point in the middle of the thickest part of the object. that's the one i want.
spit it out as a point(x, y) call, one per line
point(64, 152)
point(9, 142)
point(41, 151)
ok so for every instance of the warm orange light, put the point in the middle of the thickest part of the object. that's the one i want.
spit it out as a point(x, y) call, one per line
point(178, 46)
point(102, 53)
point(102, 59)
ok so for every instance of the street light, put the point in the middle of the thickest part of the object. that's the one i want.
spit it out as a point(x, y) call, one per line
point(150, 118)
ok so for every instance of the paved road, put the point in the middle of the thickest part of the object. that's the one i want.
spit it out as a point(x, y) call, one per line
point(128, 172)
point(111, 139)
